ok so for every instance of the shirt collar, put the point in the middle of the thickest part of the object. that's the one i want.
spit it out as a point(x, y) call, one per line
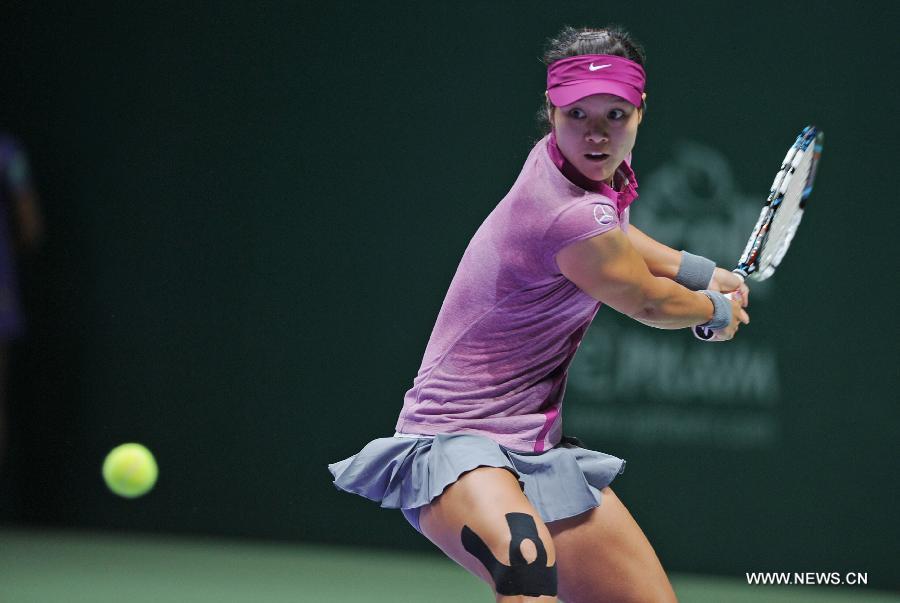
point(624, 180)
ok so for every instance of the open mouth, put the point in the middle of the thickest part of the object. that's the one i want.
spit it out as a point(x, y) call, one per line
point(598, 157)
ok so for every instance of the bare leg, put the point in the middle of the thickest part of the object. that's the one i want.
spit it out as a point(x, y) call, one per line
point(604, 556)
point(482, 502)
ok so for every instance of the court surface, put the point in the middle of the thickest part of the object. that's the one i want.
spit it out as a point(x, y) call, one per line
point(47, 566)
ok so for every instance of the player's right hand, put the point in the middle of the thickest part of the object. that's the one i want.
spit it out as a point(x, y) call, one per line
point(739, 316)
point(726, 281)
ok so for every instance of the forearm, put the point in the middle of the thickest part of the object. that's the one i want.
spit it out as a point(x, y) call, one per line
point(668, 305)
point(610, 269)
point(661, 259)
point(693, 271)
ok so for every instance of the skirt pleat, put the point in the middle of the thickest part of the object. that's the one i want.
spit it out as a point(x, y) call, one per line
point(408, 473)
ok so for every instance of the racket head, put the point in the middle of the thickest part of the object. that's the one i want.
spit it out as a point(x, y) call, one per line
point(783, 210)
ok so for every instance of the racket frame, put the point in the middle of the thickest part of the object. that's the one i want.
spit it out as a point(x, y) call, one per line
point(748, 264)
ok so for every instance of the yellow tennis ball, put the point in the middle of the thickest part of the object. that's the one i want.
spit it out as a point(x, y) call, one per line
point(130, 470)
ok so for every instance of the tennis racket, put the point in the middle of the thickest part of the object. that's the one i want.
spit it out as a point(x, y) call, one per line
point(781, 214)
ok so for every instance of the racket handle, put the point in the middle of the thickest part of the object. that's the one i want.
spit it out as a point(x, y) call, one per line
point(709, 335)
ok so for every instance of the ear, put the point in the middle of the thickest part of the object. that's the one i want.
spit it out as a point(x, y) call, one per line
point(550, 108)
point(643, 107)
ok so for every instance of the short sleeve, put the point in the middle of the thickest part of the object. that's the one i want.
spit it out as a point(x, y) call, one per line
point(576, 223)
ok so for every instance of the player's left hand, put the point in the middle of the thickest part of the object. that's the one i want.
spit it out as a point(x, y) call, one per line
point(726, 281)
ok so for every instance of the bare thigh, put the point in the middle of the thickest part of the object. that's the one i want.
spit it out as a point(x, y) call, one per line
point(481, 500)
point(604, 556)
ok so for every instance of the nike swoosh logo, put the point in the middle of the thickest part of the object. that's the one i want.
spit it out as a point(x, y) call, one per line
point(592, 68)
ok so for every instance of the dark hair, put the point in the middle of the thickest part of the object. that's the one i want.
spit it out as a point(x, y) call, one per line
point(571, 42)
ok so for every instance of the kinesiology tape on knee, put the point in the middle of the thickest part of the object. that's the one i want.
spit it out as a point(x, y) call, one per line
point(519, 577)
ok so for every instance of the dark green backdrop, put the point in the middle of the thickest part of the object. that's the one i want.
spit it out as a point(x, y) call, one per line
point(254, 212)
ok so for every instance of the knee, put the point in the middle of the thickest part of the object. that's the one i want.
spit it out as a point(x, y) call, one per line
point(529, 571)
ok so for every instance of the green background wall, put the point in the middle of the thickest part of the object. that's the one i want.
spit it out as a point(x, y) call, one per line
point(254, 212)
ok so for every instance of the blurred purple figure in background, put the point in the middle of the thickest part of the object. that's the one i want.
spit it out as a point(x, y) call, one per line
point(21, 231)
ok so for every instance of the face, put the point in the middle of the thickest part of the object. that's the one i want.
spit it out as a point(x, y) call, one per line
point(596, 133)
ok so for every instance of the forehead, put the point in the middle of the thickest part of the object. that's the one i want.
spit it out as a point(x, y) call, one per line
point(599, 101)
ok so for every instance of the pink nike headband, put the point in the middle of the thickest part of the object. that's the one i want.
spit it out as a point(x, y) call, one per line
point(573, 78)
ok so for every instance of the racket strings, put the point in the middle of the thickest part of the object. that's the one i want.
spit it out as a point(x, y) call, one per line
point(786, 217)
point(781, 215)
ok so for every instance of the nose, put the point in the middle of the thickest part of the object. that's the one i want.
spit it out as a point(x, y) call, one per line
point(597, 134)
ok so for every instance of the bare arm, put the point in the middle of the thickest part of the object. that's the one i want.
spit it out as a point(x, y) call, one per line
point(609, 268)
point(664, 261)
point(661, 259)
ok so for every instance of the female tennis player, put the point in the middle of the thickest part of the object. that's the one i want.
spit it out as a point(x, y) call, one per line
point(478, 463)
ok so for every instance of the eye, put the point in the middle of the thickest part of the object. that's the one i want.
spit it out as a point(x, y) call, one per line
point(617, 114)
point(576, 113)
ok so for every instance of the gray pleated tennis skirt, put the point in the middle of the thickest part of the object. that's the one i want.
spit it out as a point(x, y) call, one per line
point(407, 473)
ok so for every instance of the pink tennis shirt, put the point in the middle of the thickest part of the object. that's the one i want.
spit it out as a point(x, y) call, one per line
point(498, 358)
